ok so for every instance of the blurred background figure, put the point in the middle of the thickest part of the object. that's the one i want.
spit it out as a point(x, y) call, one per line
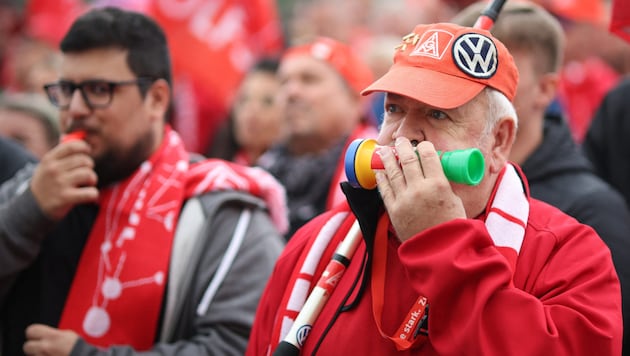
point(13, 157)
point(377, 52)
point(226, 36)
point(11, 19)
point(29, 34)
point(255, 122)
point(30, 120)
point(320, 84)
point(607, 142)
point(33, 63)
point(229, 36)
point(594, 59)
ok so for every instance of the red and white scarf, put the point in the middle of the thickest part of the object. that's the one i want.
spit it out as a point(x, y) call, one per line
point(117, 291)
point(506, 218)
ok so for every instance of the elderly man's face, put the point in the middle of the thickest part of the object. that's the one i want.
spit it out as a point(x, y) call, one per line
point(460, 128)
point(451, 129)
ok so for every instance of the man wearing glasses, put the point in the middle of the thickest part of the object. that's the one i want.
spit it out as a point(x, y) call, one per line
point(118, 241)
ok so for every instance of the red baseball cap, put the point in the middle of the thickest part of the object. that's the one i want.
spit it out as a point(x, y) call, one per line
point(446, 65)
point(341, 57)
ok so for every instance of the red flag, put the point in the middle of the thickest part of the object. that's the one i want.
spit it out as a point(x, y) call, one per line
point(49, 20)
point(620, 19)
point(212, 43)
point(591, 11)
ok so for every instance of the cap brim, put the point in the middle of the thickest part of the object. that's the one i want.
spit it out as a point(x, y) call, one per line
point(428, 86)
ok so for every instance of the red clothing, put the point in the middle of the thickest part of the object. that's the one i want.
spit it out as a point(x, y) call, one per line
point(563, 298)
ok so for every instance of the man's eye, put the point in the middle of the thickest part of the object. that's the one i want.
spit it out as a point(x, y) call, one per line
point(267, 101)
point(97, 88)
point(392, 108)
point(66, 88)
point(438, 115)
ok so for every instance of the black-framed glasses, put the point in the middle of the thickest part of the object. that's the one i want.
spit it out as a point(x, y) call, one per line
point(96, 93)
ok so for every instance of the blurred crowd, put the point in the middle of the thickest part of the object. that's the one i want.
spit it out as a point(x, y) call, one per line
point(215, 43)
point(277, 88)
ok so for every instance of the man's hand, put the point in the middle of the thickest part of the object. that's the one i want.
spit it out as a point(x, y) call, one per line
point(45, 340)
point(415, 191)
point(64, 178)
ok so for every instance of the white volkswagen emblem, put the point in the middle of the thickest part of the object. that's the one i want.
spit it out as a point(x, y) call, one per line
point(475, 55)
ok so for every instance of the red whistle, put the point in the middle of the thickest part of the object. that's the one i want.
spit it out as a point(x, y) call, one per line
point(76, 135)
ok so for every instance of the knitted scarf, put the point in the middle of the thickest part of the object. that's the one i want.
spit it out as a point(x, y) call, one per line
point(117, 291)
point(506, 218)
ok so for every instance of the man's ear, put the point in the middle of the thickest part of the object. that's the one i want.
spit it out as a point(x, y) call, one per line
point(158, 99)
point(503, 134)
point(548, 88)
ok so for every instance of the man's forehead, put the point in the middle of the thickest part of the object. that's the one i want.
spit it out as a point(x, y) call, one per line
point(94, 63)
point(305, 64)
point(402, 98)
point(460, 110)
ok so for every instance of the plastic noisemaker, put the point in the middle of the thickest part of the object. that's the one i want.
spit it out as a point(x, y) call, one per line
point(460, 166)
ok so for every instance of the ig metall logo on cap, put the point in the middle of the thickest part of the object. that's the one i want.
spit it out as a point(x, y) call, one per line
point(475, 55)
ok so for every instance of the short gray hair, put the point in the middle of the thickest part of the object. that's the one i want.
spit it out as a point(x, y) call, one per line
point(499, 106)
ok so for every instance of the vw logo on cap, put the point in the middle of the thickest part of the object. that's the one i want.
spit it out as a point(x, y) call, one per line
point(475, 55)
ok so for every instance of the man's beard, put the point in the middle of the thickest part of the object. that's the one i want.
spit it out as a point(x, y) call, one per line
point(116, 165)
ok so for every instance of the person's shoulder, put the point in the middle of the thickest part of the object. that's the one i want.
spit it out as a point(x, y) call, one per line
point(585, 195)
point(13, 157)
point(617, 98)
point(214, 199)
point(548, 220)
point(590, 187)
point(584, 185)
point(622, 88)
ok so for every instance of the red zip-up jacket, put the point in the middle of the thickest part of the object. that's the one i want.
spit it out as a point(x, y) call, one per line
point(562, 299)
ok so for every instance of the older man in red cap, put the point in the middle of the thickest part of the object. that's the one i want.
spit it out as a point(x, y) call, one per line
point(320, 90)
point(443, 268)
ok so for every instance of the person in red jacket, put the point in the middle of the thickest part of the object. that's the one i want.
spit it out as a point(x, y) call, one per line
point(443, 268)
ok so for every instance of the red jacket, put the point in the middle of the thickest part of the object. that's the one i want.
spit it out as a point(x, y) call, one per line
point(563, 298)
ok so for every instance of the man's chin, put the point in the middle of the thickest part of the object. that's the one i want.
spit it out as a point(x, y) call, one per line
point(111, 170)
point(114, 166)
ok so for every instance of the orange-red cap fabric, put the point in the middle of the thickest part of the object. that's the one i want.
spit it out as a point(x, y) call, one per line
point(341, 57)
point(446, 65)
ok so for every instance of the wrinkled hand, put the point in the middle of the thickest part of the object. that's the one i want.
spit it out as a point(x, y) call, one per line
point(416, 193)
point(45, 340)
point(64, 178)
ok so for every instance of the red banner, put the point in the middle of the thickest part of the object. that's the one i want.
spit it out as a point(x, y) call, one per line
point(49, 20)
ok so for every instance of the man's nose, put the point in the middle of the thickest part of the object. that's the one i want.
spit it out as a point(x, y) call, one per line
point(414, 133)
point(77, 102)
